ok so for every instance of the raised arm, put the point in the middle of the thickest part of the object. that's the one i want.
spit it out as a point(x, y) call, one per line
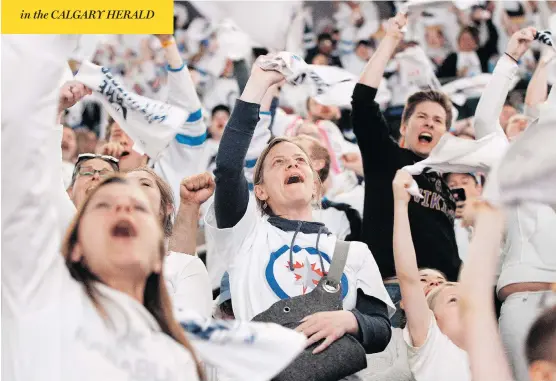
point(232, 192)
point(374, 70)
point(492, 100)
point(537, 90)
point(484, 346)
point(369, 125)
point(182, 92)
point(33, 271)
point(194, 191)
point(407, 271)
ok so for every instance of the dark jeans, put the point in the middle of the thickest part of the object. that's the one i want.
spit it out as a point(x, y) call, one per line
point(396, 296)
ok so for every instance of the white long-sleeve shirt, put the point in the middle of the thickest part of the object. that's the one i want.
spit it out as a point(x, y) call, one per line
point(528, 252)
point(51, 329)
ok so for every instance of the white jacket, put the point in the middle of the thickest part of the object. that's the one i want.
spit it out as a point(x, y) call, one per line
point(51, 330)
point(528, 253)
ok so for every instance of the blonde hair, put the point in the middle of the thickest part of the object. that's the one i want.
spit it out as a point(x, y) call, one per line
point(433, 295)
point(258, 176)
point(155, 296)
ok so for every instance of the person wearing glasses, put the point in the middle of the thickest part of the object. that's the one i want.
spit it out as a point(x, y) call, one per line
point(90, 169)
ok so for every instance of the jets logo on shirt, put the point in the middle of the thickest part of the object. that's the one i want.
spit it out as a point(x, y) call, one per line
point(306, 273)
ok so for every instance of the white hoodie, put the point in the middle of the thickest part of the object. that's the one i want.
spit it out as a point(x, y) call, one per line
point(51, 330)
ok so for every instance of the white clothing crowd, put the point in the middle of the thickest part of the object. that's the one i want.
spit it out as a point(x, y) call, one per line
point(163, 195)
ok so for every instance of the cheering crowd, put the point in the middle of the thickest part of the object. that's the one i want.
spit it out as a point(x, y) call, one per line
point(373, 201)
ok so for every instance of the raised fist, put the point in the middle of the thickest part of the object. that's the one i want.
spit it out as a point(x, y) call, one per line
point(394, 26)
point(71, 93)
point(195, 190)
point(520, 41)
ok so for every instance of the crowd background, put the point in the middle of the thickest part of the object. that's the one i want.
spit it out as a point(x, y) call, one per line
point(370, 67)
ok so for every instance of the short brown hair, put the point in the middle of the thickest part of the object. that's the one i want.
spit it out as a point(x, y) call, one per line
point(428, 96)
point(155, 296)
point(318, 152)
point(541, 340)
point(258, 176)
point(166, 199)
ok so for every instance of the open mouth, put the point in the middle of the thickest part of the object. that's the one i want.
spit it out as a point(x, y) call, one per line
point(125, 153)
point(123, 229)
point(294, 179)
point(425, 137)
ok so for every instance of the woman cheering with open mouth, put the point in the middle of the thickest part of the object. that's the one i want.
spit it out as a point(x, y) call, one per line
point(274, 248)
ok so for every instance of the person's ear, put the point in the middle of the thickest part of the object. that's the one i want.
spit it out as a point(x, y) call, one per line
point(77, 253)
point(157, 265)
point(403, 129)
point(260, 192)
point(542, 370)
point(169, 209)
point(318, 165)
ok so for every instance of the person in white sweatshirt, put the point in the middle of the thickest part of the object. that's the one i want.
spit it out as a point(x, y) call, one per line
point(284, 253)
point(434, 333)
point(101, 311)
point(528, 267)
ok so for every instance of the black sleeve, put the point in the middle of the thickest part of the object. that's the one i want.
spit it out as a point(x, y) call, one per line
point(241, 73)
point(232, 192)
point(490, 48)
point(448, 69)
point(375, 329)
point(371, 130)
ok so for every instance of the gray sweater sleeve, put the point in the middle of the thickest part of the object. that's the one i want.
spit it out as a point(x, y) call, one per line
point(232, 192)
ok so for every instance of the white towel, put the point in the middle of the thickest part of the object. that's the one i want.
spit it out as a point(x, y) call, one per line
point(527, 171)
point(151, 124)
point(453, 154)
point(329, 85)
point(242, 350)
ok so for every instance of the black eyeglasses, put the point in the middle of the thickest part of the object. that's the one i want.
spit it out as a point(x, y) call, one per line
point(88, 171)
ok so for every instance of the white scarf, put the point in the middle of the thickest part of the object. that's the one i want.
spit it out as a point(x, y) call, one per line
point(151, 124)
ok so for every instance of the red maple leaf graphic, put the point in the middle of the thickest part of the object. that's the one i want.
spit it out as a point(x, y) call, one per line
point(318, 271)
point(297, 265)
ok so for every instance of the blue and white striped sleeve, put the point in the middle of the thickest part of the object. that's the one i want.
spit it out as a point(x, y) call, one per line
point(182, 93)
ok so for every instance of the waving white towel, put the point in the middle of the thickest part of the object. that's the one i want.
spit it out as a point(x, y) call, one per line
point(453, 154)
point(154, 123)
point(329, 85)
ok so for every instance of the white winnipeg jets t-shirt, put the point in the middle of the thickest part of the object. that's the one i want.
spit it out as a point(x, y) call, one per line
point(438, 359)
point(258, 256)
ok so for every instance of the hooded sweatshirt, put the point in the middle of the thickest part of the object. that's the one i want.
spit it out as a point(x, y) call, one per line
point(271, 258)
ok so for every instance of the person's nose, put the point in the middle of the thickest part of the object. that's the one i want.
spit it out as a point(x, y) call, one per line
point(123, 207)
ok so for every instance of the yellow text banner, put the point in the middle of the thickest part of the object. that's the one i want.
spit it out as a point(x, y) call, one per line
point(87, 17)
